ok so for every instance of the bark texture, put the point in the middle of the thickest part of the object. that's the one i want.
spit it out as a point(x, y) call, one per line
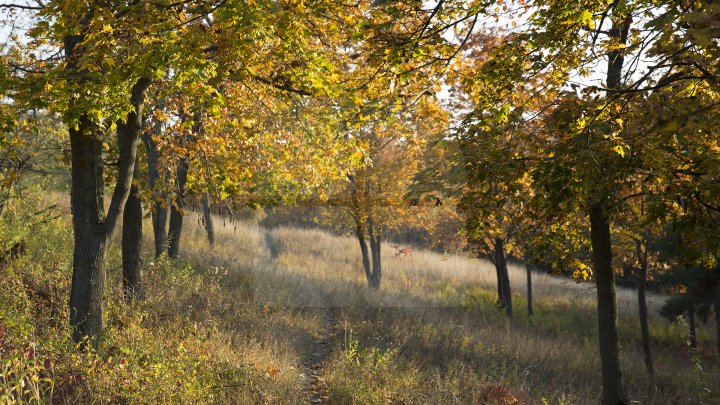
point(504, 292)
point(93, 229)
point(499, 275)
point(375, 253)
point(159, 210)
point(365, 254)
point(88, 278)
point(132, 243)
point(374, 236)
point(612, 380)
point(176, 211)
point(208, 219)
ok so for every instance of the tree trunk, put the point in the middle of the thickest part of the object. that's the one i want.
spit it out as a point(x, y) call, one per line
point(642, 306)
point(87, 192)
point(207, 217)
point(365, 255)
point(207, 214)
point(92, 229)
point(375, 253)
point(501, 295)
point(504, 277)
point(377, 261)
point(528, 269)
point(613, 390)
point(132, 243)
point(159, 210)
point(499, 275)
point(612, 381)
point(358, 213)
point(691, 325)
point(373, 234)
point(176, 211)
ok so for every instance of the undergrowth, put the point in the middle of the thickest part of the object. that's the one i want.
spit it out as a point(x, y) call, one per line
point(173, 347)
point(233, 324)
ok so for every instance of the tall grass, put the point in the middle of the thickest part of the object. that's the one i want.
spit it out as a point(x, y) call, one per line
point(432, 334)
point(235, 324)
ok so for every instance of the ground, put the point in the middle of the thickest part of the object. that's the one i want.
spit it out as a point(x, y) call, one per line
point(283, 316)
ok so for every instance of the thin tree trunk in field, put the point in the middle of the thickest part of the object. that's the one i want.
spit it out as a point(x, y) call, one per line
point(613, 390)
point(528, 269)
point(374, 235)
point(132, 243)
point(499, 275)
point(612, 379)
point(501, 265)
point(375, 253)
point(642, 306)
point(377, 261)
point(207, 217)
point(176, 211)
point(159, 210)
point(93, 229)
point(365, 255)
point(358, 214)
point(207, 214)
point(691, 325)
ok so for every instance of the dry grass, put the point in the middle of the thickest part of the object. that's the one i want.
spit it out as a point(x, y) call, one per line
point(433, 335)
point(234, 324)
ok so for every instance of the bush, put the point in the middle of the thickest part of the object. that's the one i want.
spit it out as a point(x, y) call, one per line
point(150, 352)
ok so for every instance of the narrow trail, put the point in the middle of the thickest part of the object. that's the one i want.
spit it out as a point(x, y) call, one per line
point(314, 390)
point(270, 244)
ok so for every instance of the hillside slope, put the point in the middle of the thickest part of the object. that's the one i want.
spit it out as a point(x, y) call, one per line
point(432, 334)
point(283, 316)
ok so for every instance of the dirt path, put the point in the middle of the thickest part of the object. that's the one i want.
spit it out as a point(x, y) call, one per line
point(270, 244)
point(315, 390)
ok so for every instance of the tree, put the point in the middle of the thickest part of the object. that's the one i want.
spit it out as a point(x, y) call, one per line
point(92, 228)
point(256, 84)
point(182, 166)
point(389, 152)
point(700, 287)
point(157, 180)
point(99, 89)
point(589, 150)
point(132, 242)
point(591, 144)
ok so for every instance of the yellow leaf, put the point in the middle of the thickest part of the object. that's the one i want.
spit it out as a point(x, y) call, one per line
point(714, 146)
point(619, 150)
point(271, 371)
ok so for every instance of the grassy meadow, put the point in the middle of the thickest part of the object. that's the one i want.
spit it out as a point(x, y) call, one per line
point(241, 322)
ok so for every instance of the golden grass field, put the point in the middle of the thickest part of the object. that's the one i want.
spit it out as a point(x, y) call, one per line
point(242, 323)
point(432, 333)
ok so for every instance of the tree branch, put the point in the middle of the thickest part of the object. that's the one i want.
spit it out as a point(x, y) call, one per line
point(21, 7)
point(128, 139)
